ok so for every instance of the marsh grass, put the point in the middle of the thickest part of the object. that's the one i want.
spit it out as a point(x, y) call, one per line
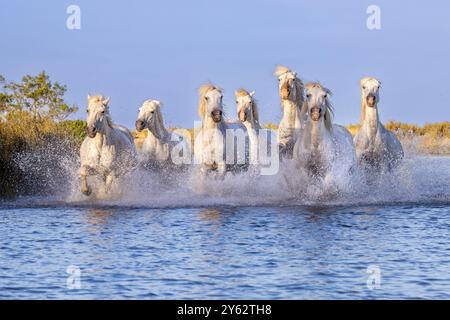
point(431, 138)
point(32, 153)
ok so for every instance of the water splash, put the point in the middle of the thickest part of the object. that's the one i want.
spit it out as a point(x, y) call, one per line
point(53, 173)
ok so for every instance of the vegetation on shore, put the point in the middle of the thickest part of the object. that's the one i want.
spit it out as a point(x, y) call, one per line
point(431, 138)
point(33, 122)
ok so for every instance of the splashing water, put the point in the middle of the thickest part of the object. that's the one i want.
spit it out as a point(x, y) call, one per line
point(243, 237)
point(53, 172)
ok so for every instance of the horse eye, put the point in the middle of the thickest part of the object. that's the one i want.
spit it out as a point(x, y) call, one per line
point(206, 98)
point(308, 95)
point(152, 112)
point(103, 112)
point(87, 110)
point(364, 87)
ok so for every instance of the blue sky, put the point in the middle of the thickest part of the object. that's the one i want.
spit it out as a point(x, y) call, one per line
point(135, 50)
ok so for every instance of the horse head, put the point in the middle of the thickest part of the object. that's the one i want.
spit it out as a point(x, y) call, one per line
point(246, 106)
point(289, 86)
point(317, 105)
point(210, 103)
point(98, 116)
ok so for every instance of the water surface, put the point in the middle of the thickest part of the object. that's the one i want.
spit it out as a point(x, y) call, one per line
point(244, 244)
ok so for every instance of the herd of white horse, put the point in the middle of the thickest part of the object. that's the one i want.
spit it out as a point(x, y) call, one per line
point(306, 135)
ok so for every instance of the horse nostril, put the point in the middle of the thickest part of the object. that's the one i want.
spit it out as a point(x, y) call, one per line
point(91, 131)
point(139, 124)
point(371, 100)
point(315, 113)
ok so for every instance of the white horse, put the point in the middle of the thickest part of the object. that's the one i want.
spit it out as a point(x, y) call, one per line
point(322, 143)
point(247, 110)
point(210, 144)
point(108, 150)
point(161, 148)
point(376, 147)
point(291, 93)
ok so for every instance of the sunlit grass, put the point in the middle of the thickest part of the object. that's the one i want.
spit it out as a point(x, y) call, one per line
point(431, 138)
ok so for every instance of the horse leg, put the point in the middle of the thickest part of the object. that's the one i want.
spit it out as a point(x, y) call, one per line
point(85, 188)
point(221, 169)
point(108, 181)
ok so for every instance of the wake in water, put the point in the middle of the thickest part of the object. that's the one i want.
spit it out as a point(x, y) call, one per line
point(54, 171)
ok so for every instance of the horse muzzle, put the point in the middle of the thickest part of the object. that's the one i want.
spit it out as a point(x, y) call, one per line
point(216, 115)
point(284, 92)
point(140, 125)
point(315, 114)
point(91, 131)
point(371, 100)
point(242, 115)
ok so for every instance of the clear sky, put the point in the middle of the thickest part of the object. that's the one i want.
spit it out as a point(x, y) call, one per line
point(135, 50)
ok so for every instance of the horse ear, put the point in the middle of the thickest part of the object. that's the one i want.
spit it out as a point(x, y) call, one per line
point(236, 93)
point(89, 97)
point(106, 101)
point(295, 74)
point(252, 93)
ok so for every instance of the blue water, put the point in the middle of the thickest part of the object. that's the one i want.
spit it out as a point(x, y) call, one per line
point(284, 250)
point(226, 252)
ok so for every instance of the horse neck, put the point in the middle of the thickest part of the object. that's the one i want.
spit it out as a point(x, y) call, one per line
point(154, 139)
point(315, 133)
point(371, 119)
point(252, 126)
point(209, 124)
point(105, 137)
point(291, 113)
point(159, 131)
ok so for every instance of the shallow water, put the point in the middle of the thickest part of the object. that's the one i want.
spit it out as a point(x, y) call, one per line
point(242, 244)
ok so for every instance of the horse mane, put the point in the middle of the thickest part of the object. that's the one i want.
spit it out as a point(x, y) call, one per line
point(242, 93)
point(279, 70)
point(202, 91)
point(363, 109)
point(299, 90)
point(363, 103)
point(329, 112)
point(162, 131)
point(96, 98)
